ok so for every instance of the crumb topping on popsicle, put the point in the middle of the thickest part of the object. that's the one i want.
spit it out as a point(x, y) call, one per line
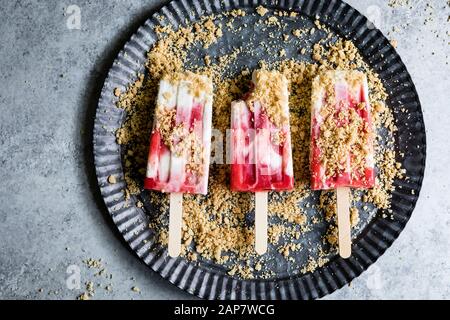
point(165, 117)
point(269, 92)
point(342, 130)
point(337, 141)
point(187, 142)
point(197, 84)
point(181, 136)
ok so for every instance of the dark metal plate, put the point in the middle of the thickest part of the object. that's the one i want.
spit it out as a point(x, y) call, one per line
point(205, 279)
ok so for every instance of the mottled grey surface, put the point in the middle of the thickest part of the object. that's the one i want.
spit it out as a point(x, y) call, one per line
point(51, 216)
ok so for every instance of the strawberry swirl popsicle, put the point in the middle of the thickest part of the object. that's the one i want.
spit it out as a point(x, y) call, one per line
point(180, 144)
point(342, 151)
point(261, 153)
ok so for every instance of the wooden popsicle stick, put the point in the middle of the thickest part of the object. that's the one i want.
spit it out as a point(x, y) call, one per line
point(343, 217)
point(175, 220)
point(261, 222)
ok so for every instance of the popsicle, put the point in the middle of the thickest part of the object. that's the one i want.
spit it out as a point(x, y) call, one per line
point(180, 144)
point(342, 152)
point(261, 152)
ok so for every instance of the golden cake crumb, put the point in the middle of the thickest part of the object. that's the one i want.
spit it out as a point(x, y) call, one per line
point(84, 296)
point(271, 21)
point(297, 32)
point(354, 216)
point(136, 289)
point(112, 179)
point(394, 43)
point(261, 11)
point(237, 13)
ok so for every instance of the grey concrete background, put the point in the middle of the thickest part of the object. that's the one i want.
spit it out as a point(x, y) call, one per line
point(51, 216)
